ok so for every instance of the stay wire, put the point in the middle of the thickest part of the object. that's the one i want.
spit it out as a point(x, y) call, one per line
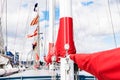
point(16, 31)
point(2, 7)
point(118, 2)
point(6, 30)
point(26, 29)
point(46, 8)
point(111, 20)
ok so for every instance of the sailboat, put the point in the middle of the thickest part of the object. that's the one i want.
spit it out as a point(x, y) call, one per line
point(62, 51)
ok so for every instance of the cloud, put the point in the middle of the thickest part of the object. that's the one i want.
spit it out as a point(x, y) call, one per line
point(92, 25)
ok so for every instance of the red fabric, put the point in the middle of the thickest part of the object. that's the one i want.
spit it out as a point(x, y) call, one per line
point(50, 53)
point(37, 56)
point(34, 34)
point(34, 43)
point(65, 35)
point(34, 21)
point(36, 30)
point(104, 65)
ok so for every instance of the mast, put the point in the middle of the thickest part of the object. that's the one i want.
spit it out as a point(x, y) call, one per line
point(51, 20)
point(37, 54)
point(51, 28)
point(6, 31)
point(38, 35)
point(1, 34)
point(51, 34)
point(51, 51)
point(65, 43)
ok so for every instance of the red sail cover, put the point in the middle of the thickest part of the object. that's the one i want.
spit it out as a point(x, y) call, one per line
point(104, 65)
point(51, 52)
point(65, 35)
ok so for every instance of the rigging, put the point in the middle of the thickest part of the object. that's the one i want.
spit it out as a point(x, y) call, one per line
point(26, 29)
point(16, 31)
point(118, 2)
point(111, 20)
point(46, 9)
point(1, 34)
point(6, 31)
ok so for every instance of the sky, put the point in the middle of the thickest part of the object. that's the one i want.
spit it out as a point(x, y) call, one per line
point(93, 23)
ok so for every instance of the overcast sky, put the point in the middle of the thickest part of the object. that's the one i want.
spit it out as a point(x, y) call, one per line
point(92, 19)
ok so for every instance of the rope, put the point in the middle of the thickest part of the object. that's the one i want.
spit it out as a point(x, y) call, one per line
point(17, 25)
point(6, 28)
point(1, 15)
point(46, 8)
point(26, 30)
point(111, 20)
point(64, 29)
point(2, 7)
point(118, 1)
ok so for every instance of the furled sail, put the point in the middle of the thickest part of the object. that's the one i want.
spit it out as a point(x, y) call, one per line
point(65, 36)
point(65, 32)
point(104, 65)
point(51, 48)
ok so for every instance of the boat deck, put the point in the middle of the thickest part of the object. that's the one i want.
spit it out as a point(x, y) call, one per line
point(42, 75)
